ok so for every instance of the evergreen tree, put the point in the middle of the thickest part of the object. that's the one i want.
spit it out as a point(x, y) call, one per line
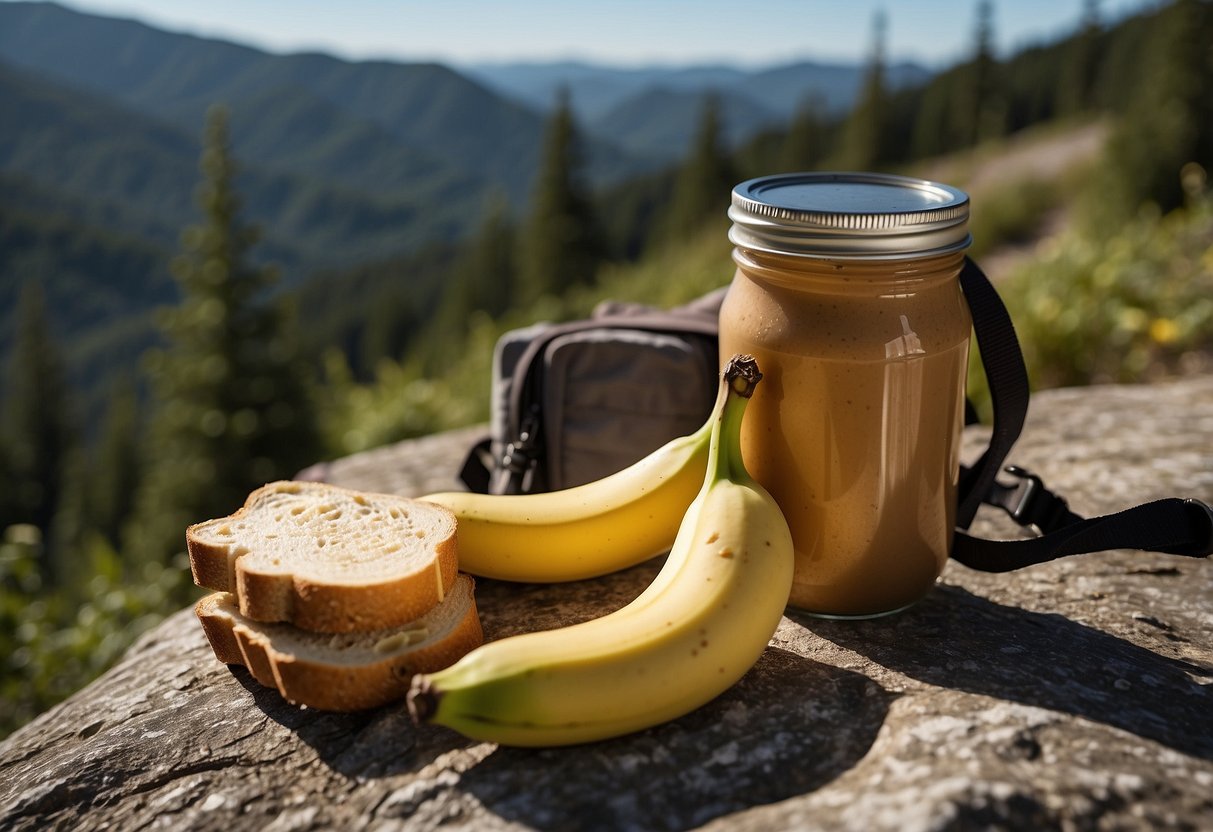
point(485, 276)
point(932, 134)
point(980, 112)
point(805, 142)
point(1075, 89)
point(1168, 122)
point(232, 409)
point(9, 511)
point(483, 280)
point(114, 478)
point(560, 245)
point(861, 144)
point(36, 423)
point(704, 182)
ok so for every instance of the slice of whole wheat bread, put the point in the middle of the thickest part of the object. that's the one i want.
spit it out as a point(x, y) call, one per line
point(328, 559)
point(347, 671)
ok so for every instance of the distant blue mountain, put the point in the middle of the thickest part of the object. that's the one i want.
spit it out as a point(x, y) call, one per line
point(660, 123)
point(652, 111)
point(596, 89)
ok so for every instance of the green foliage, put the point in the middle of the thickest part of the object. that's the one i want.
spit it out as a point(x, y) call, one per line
point(233, 407)
point(484, 278)
point(52, 642)
point(1127, 306)
point(380, 310)
point(114, 473)
point(1012, 214)
point(36, 422)
point(1168, 122)
point(1076, 85)
point(861, 145)
point(703, 183)
point(561, 245)
point(402, 401)
point(806, 140)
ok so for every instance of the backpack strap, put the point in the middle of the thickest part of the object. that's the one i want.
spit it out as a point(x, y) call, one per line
point(1174, 526)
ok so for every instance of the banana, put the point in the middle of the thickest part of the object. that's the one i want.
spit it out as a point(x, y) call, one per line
point(584, 531)
point(696, 630)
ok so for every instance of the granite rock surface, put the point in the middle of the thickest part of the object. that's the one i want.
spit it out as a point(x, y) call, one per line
point(1076, 694)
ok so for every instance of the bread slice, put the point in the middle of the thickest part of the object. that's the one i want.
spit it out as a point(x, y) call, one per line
point(347, 671)
point(328, 559)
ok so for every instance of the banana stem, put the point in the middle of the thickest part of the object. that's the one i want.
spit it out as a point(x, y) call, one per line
point(738, 380)
point(742, 375)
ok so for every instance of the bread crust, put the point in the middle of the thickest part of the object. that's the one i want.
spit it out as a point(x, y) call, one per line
point(323, 606)
point(329, 686)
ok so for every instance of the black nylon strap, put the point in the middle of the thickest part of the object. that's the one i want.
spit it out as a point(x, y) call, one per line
point(1171, 525)
point(1007, 375)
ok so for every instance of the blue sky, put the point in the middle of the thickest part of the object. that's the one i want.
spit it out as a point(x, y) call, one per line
point(619, 32)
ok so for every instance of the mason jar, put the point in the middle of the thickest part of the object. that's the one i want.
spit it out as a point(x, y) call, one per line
point(847, 294)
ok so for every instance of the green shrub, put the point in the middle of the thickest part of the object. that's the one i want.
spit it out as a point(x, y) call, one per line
point(53, 643)
point(1132, 305)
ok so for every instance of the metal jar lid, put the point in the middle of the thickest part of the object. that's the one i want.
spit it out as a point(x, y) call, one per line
point(849, 216)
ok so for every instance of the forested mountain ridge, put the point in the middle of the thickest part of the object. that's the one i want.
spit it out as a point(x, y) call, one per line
point(452, 123)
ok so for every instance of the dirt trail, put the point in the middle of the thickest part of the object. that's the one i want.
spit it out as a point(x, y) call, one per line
point(1032, 155)
point(1046, 153)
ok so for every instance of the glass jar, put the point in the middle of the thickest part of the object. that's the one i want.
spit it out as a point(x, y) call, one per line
point(847, 294)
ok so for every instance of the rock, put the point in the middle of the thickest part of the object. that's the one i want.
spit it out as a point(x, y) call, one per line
point(1075, 694)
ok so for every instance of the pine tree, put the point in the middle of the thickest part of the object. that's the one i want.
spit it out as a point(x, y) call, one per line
point(483, 280)
point(1076, 86)
point(485, 275)
point(804, 144)
point(704, 182)
point(1168, 122)
point(232, 409)
point(114, 478)
point(36, 422)
point(980, 111)
point(861, 144)
point(561, 246)
point(932, 134)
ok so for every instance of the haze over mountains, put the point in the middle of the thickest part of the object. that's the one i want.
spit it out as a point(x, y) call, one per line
point(342, 162)
point(652, 111)
point(378, 138)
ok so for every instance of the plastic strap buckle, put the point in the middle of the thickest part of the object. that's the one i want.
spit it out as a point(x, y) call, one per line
point(521, 456)
point(1029, 502)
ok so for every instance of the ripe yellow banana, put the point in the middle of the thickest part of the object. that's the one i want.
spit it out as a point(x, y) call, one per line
point(690, 635)
point(584, 531)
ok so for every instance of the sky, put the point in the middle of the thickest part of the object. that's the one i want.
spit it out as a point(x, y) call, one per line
point(615, 32)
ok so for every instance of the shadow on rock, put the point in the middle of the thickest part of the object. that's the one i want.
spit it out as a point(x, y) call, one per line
point(384, 742)
point(954, 639)
point(789, 727)
point(376, 743)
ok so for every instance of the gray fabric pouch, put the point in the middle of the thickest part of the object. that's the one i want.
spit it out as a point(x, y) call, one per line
point(574, 402)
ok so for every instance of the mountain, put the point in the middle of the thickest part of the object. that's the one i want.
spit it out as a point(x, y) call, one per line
point(94, 149)
point(660, 123)
point(444, 123)
point(834, 87)
point(595, 90)
point(342, 163)
point(653, 111)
